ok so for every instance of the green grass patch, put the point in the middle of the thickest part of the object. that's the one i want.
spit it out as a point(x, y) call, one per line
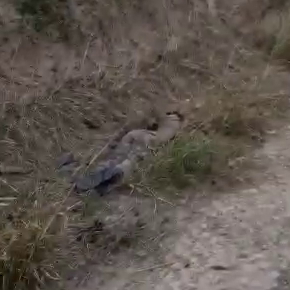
point(187, 161)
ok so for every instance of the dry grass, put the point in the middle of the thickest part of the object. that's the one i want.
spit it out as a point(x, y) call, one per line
point(272, 30)
point(174, 53)
point(52, 18)
point(33, 230)
point(26, 256)
point(241, 115)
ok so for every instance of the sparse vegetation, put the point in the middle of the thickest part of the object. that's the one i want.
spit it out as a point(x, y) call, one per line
point(273, 32)
point(220, 132)
point(71, 98)
point(49, 16)
point(30, 242)
point(188, 160)
point(241, 115)
point(179, 162)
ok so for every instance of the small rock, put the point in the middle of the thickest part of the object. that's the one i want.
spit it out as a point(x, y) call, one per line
point(90, 124)
point(274, 274)
point(141, 254)
point(177, 266)
point(251, 191)
point(243, 256)
point(219, 268)
point(271, 132)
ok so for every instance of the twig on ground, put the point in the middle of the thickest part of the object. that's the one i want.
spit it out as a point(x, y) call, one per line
point(13, 170)
point(153, 267)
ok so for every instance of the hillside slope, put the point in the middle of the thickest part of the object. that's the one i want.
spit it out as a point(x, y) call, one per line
point(75, 74)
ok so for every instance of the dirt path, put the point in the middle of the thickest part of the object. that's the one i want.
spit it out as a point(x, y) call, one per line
point(239, 240)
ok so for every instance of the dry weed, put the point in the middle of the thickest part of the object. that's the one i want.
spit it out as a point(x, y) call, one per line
point(32, 234)
point(271, 29)
point(240, 115)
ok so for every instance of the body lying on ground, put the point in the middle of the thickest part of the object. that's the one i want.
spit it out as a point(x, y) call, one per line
point(134, 146)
